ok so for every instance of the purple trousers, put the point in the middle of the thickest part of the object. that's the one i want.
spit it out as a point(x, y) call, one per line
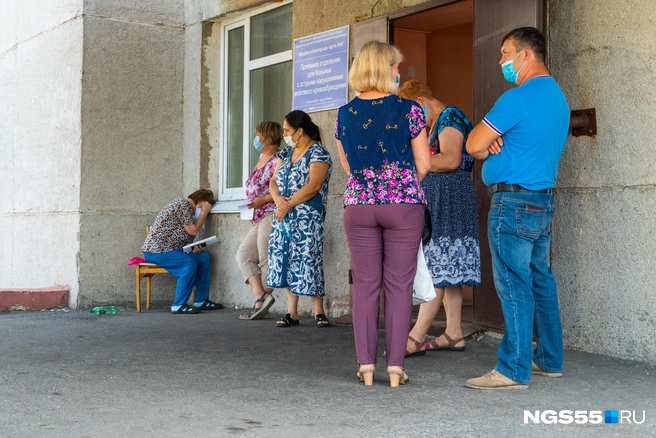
point(384, 241)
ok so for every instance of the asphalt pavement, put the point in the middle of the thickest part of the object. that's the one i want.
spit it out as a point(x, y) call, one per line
point(74, 374)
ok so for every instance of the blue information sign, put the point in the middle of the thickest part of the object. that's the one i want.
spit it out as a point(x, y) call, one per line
point(321, 70)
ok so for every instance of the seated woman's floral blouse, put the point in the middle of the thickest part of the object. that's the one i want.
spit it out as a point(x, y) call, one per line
point(257, 185)
point(168, 232)
point(375, 135)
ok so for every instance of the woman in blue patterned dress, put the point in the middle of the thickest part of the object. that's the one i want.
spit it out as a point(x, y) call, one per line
point(300, 191)
point(453, 253)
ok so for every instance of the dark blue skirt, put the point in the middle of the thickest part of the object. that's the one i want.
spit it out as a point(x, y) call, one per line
point(453, 254)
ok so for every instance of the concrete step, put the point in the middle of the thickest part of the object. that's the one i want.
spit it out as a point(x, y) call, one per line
point(33, 299)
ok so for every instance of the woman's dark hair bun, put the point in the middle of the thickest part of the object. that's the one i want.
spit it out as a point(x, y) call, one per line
point(299, 119)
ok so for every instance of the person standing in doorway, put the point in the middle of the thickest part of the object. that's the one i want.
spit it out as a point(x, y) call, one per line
point(382, 144)
point(521, 140)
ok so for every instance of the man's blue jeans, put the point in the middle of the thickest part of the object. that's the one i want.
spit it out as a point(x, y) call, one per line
point(519, 231)
point(189, 269)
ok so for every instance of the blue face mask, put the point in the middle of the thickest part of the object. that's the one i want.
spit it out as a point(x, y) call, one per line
point(398, 78)
point(257, 144)
point(425, 108)
point(509, 72)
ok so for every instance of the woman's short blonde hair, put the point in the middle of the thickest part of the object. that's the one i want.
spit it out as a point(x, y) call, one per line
point(371, 68)
point(413, 89)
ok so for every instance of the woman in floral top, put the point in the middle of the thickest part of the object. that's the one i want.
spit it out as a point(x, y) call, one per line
point(252, 255)
point(383, 147)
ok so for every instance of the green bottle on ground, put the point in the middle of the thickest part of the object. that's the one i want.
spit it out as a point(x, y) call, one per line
point(103, 310)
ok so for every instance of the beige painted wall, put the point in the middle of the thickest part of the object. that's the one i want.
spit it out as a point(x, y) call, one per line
point(603, 53)
point(40, 132)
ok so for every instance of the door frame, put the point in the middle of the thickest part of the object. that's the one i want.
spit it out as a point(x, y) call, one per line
point(488, 84)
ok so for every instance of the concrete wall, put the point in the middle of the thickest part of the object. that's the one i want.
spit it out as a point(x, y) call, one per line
point(603, 53)
point(132, 139)
point(40, 135)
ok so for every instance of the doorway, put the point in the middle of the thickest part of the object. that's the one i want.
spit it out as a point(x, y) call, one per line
point(438, 46)
point(453, 47)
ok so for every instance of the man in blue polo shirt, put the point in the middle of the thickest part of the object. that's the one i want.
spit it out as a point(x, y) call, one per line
point(521, 140)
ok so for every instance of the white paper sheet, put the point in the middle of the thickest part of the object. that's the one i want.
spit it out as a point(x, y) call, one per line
point(205, 242)
point(245, 213)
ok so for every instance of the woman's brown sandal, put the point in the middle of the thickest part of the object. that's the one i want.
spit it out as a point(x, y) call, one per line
point(414, 353)
point(432, 345)
point(418, 345)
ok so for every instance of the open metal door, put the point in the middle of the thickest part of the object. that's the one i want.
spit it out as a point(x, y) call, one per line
point(374, 29)
point(493, 20)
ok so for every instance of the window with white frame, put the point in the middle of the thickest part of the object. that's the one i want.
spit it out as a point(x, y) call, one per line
point(256, 64)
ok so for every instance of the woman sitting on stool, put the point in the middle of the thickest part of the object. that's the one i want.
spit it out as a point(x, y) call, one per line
point(175, 227)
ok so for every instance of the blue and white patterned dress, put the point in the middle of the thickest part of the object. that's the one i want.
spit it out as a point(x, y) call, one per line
point(453, 253)
point(298, 264)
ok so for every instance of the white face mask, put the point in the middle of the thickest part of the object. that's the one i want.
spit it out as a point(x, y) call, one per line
point(289, 141)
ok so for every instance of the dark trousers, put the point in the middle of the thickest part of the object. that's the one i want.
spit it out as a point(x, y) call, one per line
point(384, 242)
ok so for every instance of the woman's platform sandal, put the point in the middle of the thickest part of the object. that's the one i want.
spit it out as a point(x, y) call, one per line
point(267, 301)
point(366, 377)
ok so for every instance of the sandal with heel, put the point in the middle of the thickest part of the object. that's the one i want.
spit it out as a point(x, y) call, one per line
point(366, 377)
point(397, 379)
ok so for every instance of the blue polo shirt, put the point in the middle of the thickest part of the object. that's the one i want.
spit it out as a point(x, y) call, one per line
point(533, 121)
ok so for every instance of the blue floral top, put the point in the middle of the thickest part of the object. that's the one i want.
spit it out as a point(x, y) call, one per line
point(375, 135)
point(455, 118)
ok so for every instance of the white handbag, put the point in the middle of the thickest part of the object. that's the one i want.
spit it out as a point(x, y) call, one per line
point(422, 290)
